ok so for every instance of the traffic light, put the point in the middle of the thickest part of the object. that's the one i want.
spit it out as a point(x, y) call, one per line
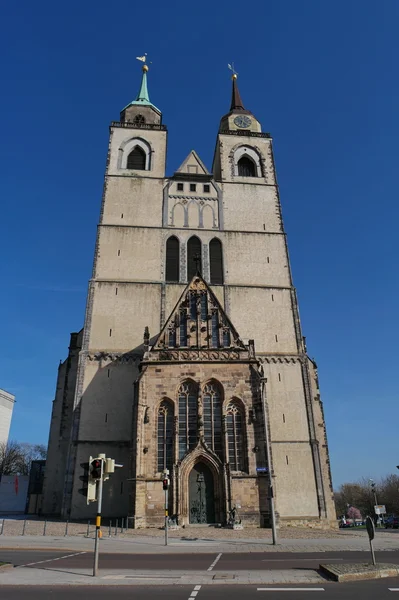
point(84, 478)
point(165, 483)
point(89, 489)
point(96, 469)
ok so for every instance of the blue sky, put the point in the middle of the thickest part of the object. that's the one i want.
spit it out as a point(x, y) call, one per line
point(320, 76)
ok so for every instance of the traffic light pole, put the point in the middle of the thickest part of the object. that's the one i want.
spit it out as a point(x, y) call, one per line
point(98, 522)
point(166, 516)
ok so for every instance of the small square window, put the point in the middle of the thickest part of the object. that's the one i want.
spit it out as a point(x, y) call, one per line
point(180, 187)
point(207, 188)
point(193, 187)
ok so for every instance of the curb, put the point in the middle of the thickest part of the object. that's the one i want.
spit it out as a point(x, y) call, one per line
point(358, 571)
point(6, 566)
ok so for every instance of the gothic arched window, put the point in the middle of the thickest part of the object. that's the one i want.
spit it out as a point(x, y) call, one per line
point(188, 417)
point(183, 328)
point(136, 159)
point(235, 436)
point(246, 167)
point(165, 435)
point(172, 259)
point(216, 261)
point(215, 330)
point(212, 413)
point(194, 261)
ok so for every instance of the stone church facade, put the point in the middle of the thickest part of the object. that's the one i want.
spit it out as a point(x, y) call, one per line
point(191, 357)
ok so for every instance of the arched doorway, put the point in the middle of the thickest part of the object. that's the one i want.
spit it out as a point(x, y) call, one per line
point(201, 495)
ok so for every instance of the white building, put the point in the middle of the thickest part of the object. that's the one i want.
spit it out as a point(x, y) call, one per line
point(6, 407)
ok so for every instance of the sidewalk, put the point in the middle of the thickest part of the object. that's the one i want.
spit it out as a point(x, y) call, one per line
point(204, 543)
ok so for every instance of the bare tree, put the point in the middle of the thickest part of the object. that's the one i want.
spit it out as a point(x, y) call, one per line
point(16, 457)
point(9, 457)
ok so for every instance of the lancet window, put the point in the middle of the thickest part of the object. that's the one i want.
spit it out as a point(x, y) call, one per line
point(246, 167)
point(136, 159)
point(194, 251)
point(165, 435)
point(212, 416)
point(235, 436)
point(172, 259)
point(216, 261)
point(188, 417)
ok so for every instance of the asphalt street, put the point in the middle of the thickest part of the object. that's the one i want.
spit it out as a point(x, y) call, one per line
point(185, 562)
point(366, 590)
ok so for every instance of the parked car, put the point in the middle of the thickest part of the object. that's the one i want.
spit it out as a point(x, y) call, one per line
point(392, 522)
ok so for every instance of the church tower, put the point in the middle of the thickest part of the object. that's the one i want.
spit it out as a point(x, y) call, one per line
point(191, 358)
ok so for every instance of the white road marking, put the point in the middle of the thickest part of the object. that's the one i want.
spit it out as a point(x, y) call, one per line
point(39, 562)
point(291, 559)
point(194, 592)
point(393, 589)
point(214, 562)
point(290, 589)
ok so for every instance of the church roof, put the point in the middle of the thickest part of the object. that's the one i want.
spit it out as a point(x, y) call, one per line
point(237, 105)
point(143, 98)
point(198, 329)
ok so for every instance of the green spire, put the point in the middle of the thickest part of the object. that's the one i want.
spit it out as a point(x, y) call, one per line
point(143, 98)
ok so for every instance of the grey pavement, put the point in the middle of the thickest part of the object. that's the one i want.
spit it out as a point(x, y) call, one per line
point(147, 545)
point(53, 576)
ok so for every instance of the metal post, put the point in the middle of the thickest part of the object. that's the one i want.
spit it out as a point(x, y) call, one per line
point(23, 528)
point(372, 551)
point(268, 458)
point(88, 528)
point(45, 527)
point(110, 528)
point(98, 522)
point(2, 527)
point(122, 525)
point(127, 524)
point(116, 526)
point(166, 515)
point(66, 528)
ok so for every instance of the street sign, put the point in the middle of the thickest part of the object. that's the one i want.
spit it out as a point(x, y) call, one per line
point(379, 509)
point(262, 469)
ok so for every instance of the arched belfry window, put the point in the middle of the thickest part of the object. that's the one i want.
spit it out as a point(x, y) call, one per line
point(216, 261)
point(235, 436)
point(136, 159)
point(194, 252)
point(139, 120)
point(172, 259)
point(165, 435)
point(212, 414)
point(246, 167)
point(188, 417)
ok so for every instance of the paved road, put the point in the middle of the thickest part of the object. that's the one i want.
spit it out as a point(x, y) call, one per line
point(365, 590)
point(184, 562)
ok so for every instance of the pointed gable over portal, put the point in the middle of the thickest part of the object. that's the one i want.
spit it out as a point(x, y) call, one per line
point(193, 165)
point(198, 329)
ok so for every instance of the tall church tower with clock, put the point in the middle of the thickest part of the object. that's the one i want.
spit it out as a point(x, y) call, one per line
point(191, 358)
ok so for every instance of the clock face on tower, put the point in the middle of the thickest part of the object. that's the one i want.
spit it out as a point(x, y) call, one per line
point(242, 121)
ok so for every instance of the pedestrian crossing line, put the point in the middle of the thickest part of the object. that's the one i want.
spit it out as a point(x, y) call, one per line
point(214, 562)
point(194, 592)
point(39, 562)
point(295, 589)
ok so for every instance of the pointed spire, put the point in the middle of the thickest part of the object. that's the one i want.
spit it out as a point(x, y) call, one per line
point(143, 96)
point(236, 102)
